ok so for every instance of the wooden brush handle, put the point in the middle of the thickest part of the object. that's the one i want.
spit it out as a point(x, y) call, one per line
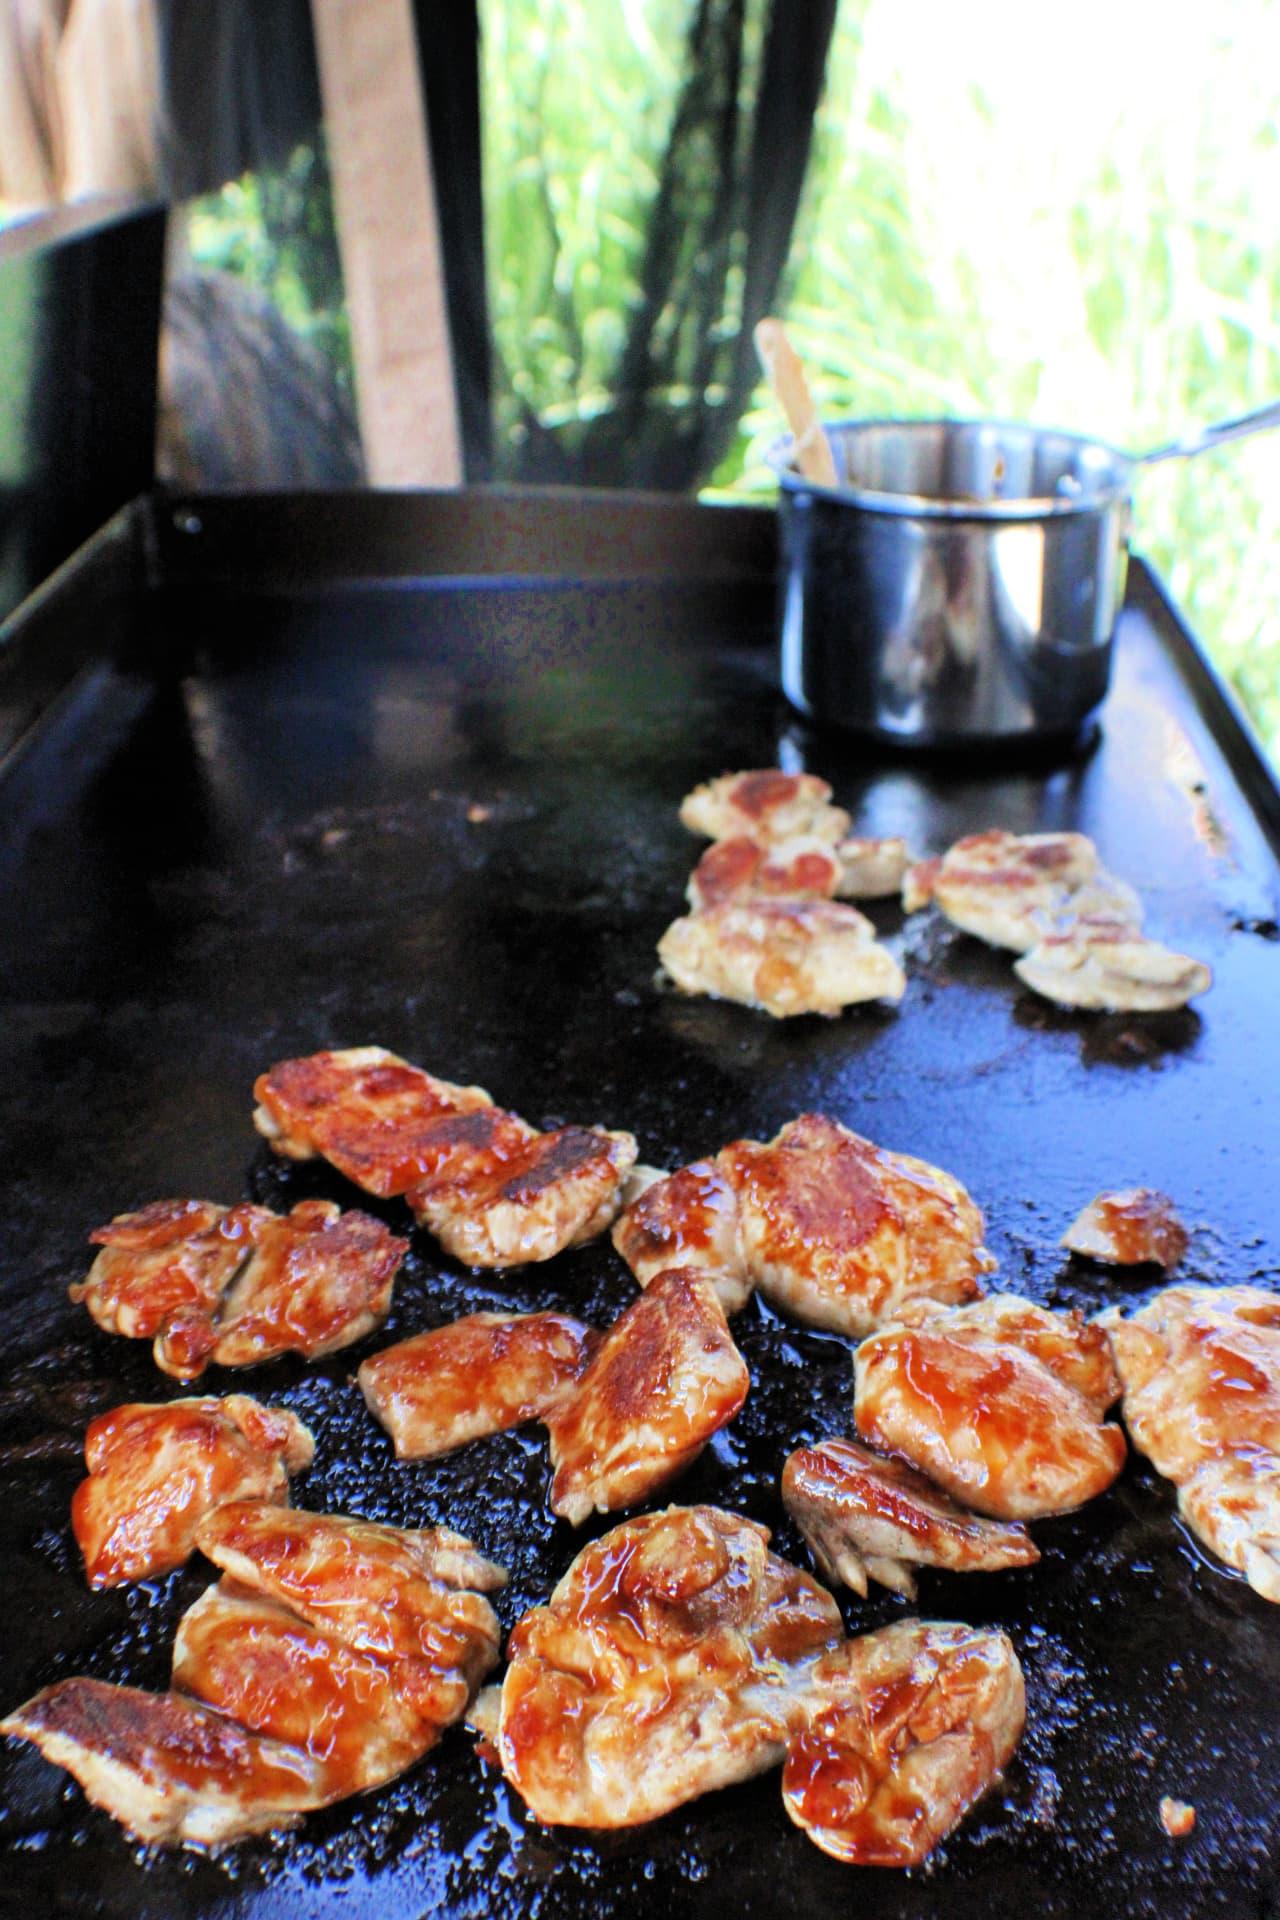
point(785, 374)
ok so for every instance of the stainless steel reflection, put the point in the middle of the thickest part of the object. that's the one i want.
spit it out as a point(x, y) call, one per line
point(961, 585)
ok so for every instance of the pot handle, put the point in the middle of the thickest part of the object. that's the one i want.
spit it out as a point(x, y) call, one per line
point(1199, 439)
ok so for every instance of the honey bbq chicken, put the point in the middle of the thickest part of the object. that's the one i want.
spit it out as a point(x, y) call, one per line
point(281, 1676)
point(413, 1598)
point(836, 1230)
point(784, 956)
point(238, 1285)
point(1076, 927)
point(1106, 965)
point(802, 867)
point(664, 1379)
point(1128, 1229)
point(168, 1769)
point(842, 1233)
point(491, 1188)
point(864, 1517)
point(340, 1636)
point(1201, 1374)
point(156, 1471)
point(330, 1657)
point(679, 1655)
point(1012, 889)
point(904, 1730)
point(625, 1411)
point(477, 1376)
point(1000, 1403)
point(765, 805)
point(690, 1218)
point(669, 1661)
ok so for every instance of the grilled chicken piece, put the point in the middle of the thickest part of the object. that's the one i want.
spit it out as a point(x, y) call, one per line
point(557, 1190)
point(918, 883)
point(413, 1600)
point(1201, 1374)
point(1001, 1403)
point(767, 805)
point(169, 1257)
point(783, 956)
point(669, 1661)
point(493, 1190)
point(871, 869)
point(1012, 889)
point(1106, 965)
point(906, 1729)
point(239, 1285)
point(326, 1666)
point(256, 1661)
point(843, 1233)
point(479, 1376)
point(866, 1517)
point(364, 1110)
point(316, 1279)
point(688, 1219)
point(155, 1471)
point(664, 1379)
point(169, 1769)
point(803, 867)
point(1128, 1229)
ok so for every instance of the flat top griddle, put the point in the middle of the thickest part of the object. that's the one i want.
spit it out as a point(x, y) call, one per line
point(441, 816)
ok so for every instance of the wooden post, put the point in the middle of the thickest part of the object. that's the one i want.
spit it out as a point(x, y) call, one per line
point(389, 241)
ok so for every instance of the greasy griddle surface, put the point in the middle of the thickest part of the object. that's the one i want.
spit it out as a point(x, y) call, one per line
point(446, 822)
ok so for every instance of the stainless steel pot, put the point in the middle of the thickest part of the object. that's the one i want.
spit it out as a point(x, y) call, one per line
point(960, 585)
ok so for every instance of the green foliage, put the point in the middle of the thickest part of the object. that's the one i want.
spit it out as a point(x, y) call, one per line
point(578, 105)
point(275, 229)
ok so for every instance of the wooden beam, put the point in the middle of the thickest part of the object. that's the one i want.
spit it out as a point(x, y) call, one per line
point(389, 240)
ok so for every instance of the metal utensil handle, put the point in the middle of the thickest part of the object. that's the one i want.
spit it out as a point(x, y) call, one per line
point(1202, 438)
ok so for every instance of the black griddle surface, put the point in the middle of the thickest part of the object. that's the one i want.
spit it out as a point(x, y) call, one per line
point(443, 819)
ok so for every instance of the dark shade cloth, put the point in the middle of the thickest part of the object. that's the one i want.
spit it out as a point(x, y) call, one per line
point(239, 89)
point(723, 212)
point(449, 57)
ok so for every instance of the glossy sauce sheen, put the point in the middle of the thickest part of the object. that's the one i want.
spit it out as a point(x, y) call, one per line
point(276, 1674)
point(690, 1219)
point(664, 1379)
point(843, 1496)
point(315, 1279)
point(1201, 1371)
point(167, 1767)
point(243, 1287)
point(375, 1122)
point(921, 1717)
point(1131, 1228)
point(665, 1663)
point(991, 1422)
point(372, 1585)
point(155, 1471)
point(478, 1375)
point(841, 1231)
point(171, 1256)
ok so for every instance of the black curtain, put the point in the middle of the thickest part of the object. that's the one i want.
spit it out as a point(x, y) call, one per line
point(722, 217)
point(240, 91)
